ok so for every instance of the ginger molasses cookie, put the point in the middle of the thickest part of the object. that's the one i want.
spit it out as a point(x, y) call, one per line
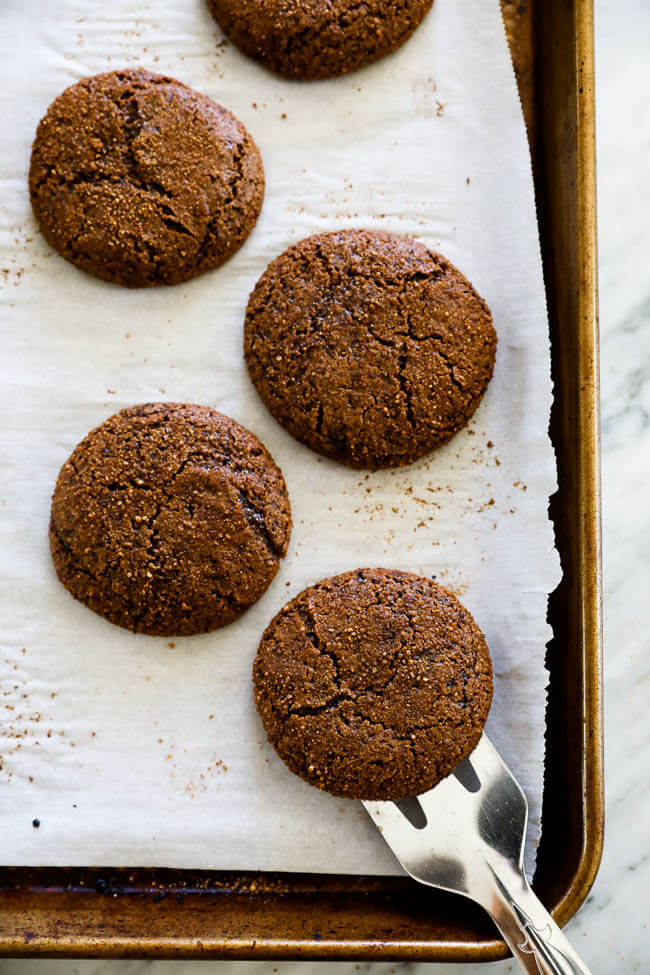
point(140, 180)
point(169, 519)
point(368, 347)
point(374, 684)
point(312, 39)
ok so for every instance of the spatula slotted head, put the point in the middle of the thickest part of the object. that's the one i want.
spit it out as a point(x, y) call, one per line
point(447, 836)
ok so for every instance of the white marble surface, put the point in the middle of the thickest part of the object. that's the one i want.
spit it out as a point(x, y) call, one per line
point(612, 928)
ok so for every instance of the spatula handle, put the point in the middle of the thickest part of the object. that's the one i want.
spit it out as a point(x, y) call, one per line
point(532, 935)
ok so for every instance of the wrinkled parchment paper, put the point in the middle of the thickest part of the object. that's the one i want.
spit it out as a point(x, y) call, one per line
point(133, 750)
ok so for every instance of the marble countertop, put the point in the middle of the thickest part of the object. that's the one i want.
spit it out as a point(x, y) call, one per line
point(611, 930)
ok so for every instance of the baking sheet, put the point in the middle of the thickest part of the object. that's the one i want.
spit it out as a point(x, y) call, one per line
point(132, 750)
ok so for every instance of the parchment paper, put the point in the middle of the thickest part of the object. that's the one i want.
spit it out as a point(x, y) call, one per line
point(143, 751)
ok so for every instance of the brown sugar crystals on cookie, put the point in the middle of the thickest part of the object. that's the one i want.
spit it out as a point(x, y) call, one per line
point(140, 180)
point(312, 39)
point(374, 684)
point(368, 347)
point(169, 519)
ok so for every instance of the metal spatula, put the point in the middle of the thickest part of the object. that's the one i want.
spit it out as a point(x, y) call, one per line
point(467, 836)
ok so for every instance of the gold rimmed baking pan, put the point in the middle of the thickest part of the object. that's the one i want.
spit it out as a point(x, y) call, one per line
point(193, 914)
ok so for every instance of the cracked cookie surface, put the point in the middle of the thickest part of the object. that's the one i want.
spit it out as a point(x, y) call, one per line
point(368, 347)
point(373, 684)
point(312, 39)
point(140, 180)
point(169, 519)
